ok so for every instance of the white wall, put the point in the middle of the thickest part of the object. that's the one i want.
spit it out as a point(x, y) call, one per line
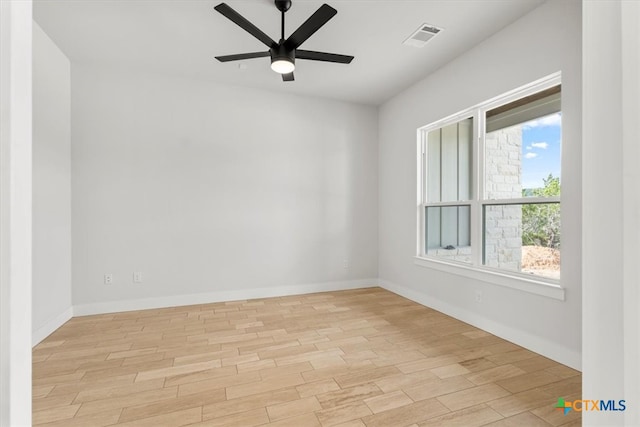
point(611, 323)
point(224, 191)
point(15, 212)
point(545, 41)
point(51, 186)
point(630, 48)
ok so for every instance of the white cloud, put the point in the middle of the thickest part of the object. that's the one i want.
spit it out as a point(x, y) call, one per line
point(542, 145)
point(529, 147)
point(552, 120)
point(530, 155)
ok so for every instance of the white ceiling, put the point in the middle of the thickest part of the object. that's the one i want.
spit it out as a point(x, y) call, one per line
point(181, 38)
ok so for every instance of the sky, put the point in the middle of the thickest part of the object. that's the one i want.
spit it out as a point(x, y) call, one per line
point(541, 147)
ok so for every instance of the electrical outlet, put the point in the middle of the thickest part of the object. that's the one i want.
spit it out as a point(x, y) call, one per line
point(137, 277)
point(346, 264)
point(478, 296)
point(108, 279)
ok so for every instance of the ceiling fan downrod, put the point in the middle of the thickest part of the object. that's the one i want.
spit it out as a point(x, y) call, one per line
point(283, 6)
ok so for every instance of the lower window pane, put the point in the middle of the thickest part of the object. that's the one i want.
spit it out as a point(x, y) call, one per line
point(523, 238)
point(448, 232)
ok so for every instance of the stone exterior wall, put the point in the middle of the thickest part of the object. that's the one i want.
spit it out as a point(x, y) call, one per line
point(503, 224)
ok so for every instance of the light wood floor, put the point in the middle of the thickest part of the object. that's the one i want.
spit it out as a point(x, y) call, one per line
point(354, 358)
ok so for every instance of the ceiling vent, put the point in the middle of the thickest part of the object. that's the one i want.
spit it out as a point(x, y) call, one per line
point(422, 35)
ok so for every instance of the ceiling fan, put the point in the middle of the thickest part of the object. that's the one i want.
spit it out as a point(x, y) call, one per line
point(285, 52)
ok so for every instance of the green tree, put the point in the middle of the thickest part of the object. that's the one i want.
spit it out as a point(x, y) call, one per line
point(541, 222)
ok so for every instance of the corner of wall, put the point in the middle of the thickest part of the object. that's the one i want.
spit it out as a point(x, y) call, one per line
point(51, 151)
point(50, 326)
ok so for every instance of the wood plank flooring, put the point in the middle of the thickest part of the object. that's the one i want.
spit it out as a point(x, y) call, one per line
point(365, 357)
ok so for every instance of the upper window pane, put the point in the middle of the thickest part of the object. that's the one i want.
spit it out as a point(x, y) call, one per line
point(523, 146)
point(448, 162)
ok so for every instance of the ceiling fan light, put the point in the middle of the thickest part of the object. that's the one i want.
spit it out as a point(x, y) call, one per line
point(282, 66)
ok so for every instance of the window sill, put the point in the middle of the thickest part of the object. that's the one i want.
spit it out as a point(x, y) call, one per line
point(532, 286)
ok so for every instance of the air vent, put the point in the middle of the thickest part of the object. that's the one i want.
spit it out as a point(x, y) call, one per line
point(422, 35)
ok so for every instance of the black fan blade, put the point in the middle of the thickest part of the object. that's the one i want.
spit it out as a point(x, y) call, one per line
point(240, 56)
point(310, 26)
point(323, 56)
point(234, 16)
point(288, 77)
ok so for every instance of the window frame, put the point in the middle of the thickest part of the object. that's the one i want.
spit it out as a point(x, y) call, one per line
point(476, 269)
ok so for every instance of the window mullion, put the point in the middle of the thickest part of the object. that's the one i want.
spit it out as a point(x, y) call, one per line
point(421, 241)
point(522, 201)
point(478, 188)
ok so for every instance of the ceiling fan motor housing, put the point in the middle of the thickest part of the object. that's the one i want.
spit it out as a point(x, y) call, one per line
point(281, 53)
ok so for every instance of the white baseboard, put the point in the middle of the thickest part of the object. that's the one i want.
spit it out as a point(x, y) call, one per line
point(51, 325)
point(222, 296)
point(536, 344)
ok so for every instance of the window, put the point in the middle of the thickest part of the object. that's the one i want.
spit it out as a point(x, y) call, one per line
point(490, 181)
point(448, 190)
